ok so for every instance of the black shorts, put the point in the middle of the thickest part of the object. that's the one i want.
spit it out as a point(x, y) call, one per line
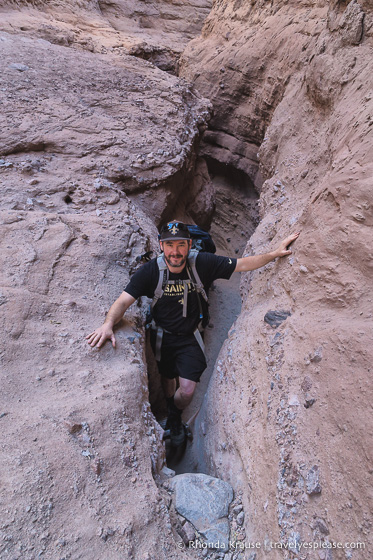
point(181, 356)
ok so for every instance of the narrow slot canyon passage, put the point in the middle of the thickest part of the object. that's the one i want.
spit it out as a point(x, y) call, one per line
point(234, 221)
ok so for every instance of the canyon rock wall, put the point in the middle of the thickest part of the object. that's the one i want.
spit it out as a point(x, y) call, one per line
point(288, 416)
point(81, 132)
point(156, 30)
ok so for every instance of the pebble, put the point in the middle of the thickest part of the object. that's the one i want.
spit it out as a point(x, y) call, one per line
point(168, 472)
point(97, 466)
point(313, 481)
point(309, 401)
point(275, 318)
point(237, 509)
point(240, 518)
point(322, 526)
point(316, 357)
point(19, 67)
point(190, 533)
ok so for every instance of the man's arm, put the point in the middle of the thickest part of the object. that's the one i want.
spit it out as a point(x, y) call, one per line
point(257, 261)
point(115, 313)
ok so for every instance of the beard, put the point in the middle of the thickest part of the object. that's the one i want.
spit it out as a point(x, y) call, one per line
point(176, 257)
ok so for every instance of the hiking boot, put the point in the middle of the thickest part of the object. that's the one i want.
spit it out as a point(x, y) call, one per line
point(176, 427)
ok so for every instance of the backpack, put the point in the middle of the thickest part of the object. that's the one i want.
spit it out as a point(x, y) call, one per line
point(201, 239)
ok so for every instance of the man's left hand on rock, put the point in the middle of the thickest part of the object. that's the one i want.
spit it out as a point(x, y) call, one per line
point(284, 248)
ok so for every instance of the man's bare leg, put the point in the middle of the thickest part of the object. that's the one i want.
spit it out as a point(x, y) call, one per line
point(185, 392)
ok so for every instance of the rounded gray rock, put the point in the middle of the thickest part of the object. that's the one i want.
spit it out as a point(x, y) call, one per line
point(204, 501)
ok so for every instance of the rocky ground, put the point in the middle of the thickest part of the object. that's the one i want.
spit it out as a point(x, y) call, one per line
point(99, 142)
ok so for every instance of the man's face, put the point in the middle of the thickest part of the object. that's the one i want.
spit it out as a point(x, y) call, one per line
point(176, 252)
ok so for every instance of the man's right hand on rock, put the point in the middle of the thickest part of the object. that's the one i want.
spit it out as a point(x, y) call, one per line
point(100, 335)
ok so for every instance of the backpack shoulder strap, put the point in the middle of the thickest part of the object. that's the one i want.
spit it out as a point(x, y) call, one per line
point(162, 280)
point(192, 257)
point(194, 276)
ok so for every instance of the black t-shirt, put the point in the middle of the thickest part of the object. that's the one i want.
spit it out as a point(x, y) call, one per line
point(168, 311)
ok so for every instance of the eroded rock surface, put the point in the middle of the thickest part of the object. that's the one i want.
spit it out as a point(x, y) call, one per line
point(156, 30)
point(294, 80)
point(80, 132)
point(104, 117)
point(76, 458)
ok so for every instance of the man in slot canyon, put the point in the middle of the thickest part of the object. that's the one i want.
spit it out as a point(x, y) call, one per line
point(177, 282)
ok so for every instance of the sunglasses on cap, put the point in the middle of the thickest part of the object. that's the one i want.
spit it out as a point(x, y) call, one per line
point(168, 227)
point(174, 230)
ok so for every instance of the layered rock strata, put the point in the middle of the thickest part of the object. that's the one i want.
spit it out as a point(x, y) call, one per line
point(157, 30)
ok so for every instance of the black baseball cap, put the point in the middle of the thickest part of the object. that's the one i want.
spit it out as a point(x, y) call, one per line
point(174, 230)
